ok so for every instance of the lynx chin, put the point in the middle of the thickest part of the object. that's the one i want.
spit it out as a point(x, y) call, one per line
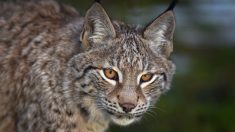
point(61, 72)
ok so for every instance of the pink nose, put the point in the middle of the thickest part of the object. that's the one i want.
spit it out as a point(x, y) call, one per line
point(127, 107)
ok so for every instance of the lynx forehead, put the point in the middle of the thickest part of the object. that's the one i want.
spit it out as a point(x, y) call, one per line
point(63, 72)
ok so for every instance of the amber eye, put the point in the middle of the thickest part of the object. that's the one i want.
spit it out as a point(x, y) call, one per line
point(111, 74)
point(146, 77)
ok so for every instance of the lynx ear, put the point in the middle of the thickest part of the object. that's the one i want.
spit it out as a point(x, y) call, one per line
point(160, 33)
point(97, 26)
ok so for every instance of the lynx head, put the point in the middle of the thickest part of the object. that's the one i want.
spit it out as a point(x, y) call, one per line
point(124, 69)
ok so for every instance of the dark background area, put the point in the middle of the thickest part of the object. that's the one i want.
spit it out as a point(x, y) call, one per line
point(201, 98)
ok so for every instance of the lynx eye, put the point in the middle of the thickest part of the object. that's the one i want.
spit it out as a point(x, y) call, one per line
point(111, 74)
point(146, 77)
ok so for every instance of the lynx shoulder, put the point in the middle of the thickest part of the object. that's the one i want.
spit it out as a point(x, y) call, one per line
point(60, 71)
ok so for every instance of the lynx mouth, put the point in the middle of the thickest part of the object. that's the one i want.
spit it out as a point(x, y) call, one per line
point(123, 121)
point(122, 118)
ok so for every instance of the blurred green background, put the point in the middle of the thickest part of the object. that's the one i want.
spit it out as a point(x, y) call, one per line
point(203, 90)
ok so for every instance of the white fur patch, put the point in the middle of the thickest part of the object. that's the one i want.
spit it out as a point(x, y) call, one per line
point(122, 121)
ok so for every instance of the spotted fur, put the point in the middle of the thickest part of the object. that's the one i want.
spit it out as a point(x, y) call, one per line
point(52, 63)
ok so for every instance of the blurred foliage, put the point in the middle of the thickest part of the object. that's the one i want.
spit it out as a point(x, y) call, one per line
point(202, 94)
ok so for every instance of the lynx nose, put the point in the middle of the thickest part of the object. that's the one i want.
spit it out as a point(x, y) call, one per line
point(127, 100)
point(127, 107)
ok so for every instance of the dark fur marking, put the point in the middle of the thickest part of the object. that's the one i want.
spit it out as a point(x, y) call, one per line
point(57, 111)
point(72, 125)
point(84, 85)
point(164, 76)
point(84, 112)
point(24, 125)
point(69, 113)
point(85, 71)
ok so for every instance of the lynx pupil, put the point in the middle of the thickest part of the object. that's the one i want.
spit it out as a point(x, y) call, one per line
point(146, 77)
point(111, 74)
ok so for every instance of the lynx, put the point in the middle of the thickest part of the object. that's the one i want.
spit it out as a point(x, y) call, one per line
point(63, 72)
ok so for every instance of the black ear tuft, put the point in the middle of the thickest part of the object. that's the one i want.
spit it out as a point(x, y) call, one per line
point(98, 1)
point(172, 5)
point(160, 33)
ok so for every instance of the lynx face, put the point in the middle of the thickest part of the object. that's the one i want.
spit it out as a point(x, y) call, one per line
point(130, 80)
point(124, 70)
